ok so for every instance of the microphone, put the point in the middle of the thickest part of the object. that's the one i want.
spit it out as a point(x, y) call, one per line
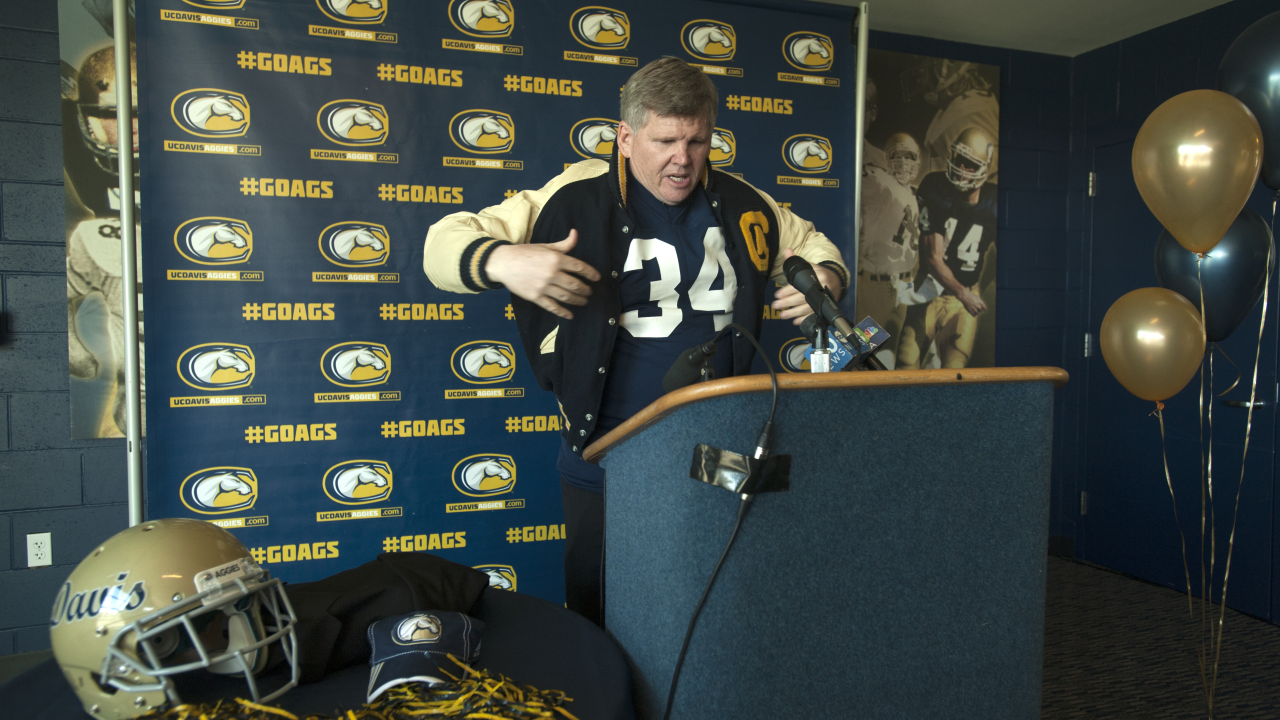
point(691, 366)
point(802, 277)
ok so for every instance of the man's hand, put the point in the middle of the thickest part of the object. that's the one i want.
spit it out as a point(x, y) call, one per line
point(972, 302)
point(543, 274)
point(791, 301)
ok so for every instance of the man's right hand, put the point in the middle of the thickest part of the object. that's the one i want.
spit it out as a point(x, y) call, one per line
point(543, 274)
point(972, 302)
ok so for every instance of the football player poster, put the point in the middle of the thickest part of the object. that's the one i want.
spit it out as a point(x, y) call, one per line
point(95, 319)
point(927, 253)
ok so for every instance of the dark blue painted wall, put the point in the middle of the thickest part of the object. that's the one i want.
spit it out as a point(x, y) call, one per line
point(1111, 448)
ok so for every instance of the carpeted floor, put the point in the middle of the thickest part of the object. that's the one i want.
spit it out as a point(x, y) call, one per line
point(1117, 647)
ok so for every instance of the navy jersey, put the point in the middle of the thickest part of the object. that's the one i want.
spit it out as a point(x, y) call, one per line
point(678, 288)
point(969, 229)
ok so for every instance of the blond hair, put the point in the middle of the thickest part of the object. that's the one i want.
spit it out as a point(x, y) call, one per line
point(668, 87)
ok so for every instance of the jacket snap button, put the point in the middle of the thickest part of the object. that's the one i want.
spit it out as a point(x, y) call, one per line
point(615, 273)
point(612, 321)
point(626, 228)
point(575, 448)
point(601, 371)
point(582, 432)
point(715, 203)
point(588, 417)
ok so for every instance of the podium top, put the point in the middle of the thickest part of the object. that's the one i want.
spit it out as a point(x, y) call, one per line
point(789, 382)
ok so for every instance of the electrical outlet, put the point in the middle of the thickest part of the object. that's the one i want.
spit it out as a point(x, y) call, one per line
point(39, 549)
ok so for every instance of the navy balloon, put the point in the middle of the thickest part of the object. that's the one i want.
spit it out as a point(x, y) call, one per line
point(1234, 273)
point(1251, 72)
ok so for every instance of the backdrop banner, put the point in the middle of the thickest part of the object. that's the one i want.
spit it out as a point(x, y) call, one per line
point(309, 388)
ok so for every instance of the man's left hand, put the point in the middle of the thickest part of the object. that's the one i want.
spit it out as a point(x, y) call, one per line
point(791, 302)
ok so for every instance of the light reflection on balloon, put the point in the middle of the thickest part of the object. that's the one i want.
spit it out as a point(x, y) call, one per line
point(1194, 155)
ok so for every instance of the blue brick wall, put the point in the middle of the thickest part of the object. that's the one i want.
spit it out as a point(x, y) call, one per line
point(48, 482)
point(1114, 88)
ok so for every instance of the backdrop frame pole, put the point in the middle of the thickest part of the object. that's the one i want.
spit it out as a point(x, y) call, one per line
point(859, 116)
point(129, 258)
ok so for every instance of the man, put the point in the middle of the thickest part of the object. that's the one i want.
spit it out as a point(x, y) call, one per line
point(957, 228)
point(964, 99)
point(889, 236)
point(95, 289)
point(615, 267)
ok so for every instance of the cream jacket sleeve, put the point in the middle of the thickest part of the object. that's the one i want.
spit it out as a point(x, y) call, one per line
point(806, 241)
point(468, 235)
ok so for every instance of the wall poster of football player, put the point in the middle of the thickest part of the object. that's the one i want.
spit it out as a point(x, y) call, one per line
point(95, 315)
point(927, 265)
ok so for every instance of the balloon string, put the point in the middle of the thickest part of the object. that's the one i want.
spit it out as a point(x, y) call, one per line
point(1239, 373)
point(1186, 569)
point(1253, 394)
point(1206, 498)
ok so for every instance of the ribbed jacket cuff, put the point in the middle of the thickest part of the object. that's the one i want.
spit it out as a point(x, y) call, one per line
point(844, 274)
point(472, 265)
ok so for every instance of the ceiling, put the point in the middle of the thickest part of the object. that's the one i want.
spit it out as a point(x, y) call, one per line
point(1058, 27)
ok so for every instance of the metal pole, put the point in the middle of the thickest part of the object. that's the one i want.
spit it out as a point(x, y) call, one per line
point(859, 114)
point(129, 257)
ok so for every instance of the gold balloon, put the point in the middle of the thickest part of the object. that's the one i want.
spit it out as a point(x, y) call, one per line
point(1153, 341)
point(1195, 161)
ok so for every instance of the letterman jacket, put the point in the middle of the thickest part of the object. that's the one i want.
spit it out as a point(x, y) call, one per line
point(571, 358)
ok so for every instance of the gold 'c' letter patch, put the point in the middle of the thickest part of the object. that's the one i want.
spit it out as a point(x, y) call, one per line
point(754, 228)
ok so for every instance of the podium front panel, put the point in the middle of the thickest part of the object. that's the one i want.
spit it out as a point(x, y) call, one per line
point(902, 576)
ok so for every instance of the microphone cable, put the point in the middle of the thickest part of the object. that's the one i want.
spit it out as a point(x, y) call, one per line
point(763, 445)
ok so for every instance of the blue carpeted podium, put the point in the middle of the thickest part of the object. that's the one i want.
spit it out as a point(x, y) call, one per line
point(902, 576)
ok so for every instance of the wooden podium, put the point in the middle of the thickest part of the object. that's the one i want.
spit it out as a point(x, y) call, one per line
point(902, 576)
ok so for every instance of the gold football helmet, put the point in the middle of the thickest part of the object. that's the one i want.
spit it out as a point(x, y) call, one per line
point(164, 598)
point(96, 102)
point(970, 158)
point(904, 157)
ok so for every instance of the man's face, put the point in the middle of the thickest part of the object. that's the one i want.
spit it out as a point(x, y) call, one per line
point(667, 154)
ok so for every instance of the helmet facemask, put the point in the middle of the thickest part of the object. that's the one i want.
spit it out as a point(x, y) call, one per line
point(904, 157)
point(224, 629)
point(969, 160)
point(96, 104)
